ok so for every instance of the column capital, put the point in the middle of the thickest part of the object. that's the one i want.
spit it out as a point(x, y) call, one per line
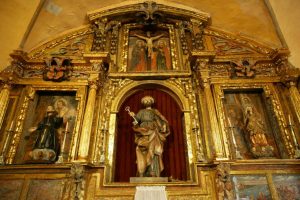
point(7, 82)
point(206, 82)
point(200, 64)
point(290, 80)
point(93, 84)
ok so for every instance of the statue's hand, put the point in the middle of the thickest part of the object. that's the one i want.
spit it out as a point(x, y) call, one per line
point(132, 114)
point(32, 129)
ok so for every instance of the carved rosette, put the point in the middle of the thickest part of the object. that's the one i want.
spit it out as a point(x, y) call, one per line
point(224, 184)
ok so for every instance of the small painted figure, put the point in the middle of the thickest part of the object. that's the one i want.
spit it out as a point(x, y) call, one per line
point(46, 146)
point(161, 57)
point(151, 129)
point(139, 56)
point(256, 134)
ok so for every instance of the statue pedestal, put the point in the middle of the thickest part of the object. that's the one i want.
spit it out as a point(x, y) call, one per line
point(148, 179)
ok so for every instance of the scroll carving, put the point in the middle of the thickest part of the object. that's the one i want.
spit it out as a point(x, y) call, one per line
point(223, 182)
point(197, 38)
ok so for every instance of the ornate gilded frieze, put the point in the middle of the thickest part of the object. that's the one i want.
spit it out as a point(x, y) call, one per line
point(149, 9)
point(238, 40)
point(73, 45)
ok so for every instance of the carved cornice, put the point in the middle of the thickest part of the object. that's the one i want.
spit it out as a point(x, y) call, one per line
point(40, 50)
point(257, 47)
point(132, 7)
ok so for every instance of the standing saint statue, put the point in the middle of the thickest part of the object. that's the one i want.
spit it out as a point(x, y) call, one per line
point(151, 129)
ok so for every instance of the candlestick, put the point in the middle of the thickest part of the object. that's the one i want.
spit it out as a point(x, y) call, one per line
point(231, 129)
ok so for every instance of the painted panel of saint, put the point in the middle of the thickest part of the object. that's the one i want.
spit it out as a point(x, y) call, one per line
point(48, 189)
point(11, 189)
point(287, 186)
point(251, 187)
point(48, 128)
point(149, 51)
point(253, 128)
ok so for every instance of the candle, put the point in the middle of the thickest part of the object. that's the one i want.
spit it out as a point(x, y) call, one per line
point(67, 127)
point(11, 126)
point(233, 139)
point(292, 131)
point(229, 123)
point(290, 120)
point(105, 125)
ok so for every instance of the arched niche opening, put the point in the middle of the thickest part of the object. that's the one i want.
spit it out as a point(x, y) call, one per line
point(174, 156)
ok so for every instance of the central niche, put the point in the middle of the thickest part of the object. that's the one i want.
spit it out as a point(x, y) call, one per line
point(174, 155)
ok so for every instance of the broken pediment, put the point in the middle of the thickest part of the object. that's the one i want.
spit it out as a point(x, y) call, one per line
point(151, 37)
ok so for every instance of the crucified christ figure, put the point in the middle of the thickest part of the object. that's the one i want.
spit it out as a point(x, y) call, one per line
point(149, 40)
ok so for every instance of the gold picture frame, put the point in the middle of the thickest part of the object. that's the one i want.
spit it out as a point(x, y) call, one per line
point(270, 94)
point(25, 106)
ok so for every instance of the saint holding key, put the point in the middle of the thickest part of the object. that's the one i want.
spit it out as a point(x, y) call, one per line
point(151, 129)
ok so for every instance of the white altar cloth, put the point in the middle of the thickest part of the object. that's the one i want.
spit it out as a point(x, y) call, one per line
point(150, 193)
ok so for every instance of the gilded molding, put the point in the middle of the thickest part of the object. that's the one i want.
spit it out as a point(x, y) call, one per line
point(29, 94)
point(269, 92)
point(243, 41)
point(38, 52)
point(85, 137)
point(109, 90)
point(136, 6)
point(220, 142)
point(125, 39)
point(185, 86)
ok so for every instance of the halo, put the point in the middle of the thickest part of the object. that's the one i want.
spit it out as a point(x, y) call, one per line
point(60, 99)
point(137, 41)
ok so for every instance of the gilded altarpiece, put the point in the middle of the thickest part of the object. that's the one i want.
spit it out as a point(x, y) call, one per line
point(237, 134)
